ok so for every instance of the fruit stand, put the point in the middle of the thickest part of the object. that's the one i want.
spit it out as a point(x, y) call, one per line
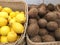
point(29, 24)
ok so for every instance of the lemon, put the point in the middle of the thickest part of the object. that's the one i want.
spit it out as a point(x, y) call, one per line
point(0, 38)
point(4, 39)
point(5, 30)
point(20, 18)
point(0, 32)
point(9, 18)
point(7, 9)
point(3, 21)
point(17, 12)
point(12, 30)
point(4, 14)
point(12, 14)
point(12, 21)
point(1, 8)
point(22, 12)
point(12, 36)
point(18, 28)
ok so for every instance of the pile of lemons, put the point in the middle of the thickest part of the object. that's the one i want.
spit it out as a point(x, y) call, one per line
point(11, 24)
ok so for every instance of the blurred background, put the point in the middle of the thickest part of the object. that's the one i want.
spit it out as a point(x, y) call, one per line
point(40, 1)
point(37, 1)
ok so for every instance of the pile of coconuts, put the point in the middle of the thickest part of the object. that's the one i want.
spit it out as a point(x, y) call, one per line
point(44, 23)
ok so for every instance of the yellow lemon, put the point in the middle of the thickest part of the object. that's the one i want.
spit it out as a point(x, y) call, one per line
point(12, 14)
point(7, 9)
point(9, 18)
point(4, 39)
point(17, 12)
point(0, 38)
point(3, 21)
point(0, 32)
point(1, 8)
point(5, 30)
point(20, 18)
point(12, 36)
point(4, 14)
point(18, 28)
point(22, 12)
point(12, 21)
point(12, 29)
